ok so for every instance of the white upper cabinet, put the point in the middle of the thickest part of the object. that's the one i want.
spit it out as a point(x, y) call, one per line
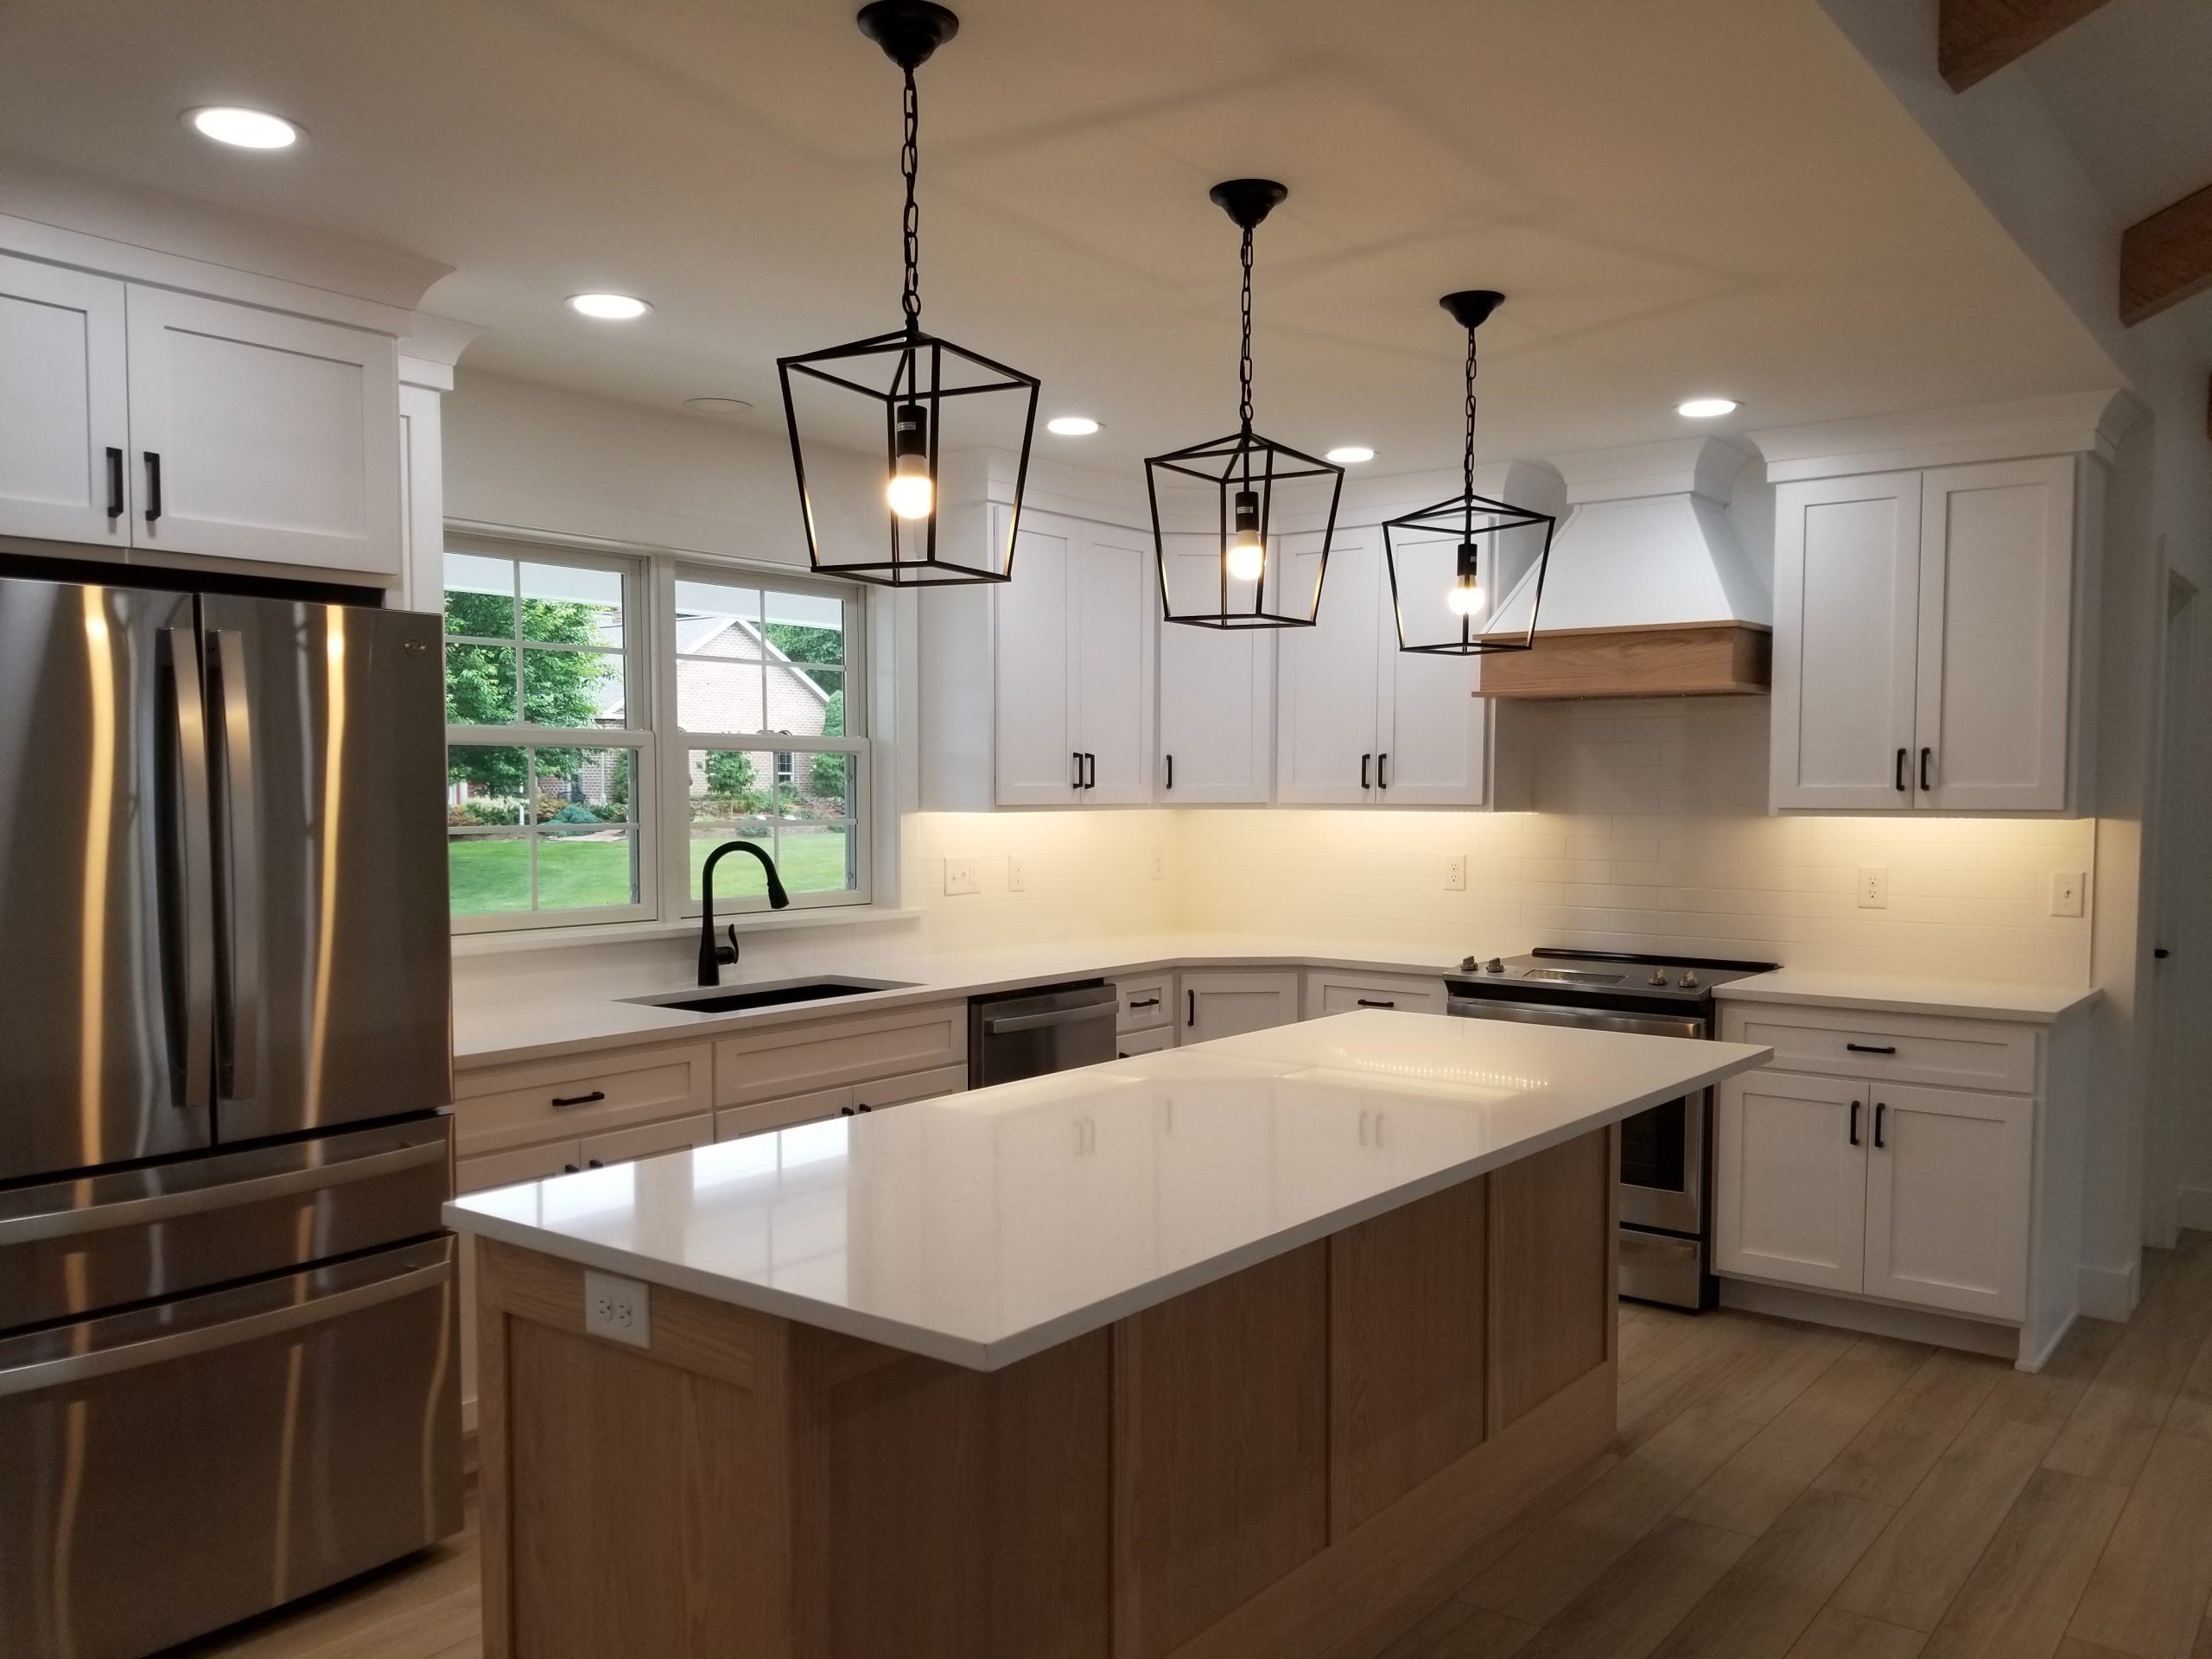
point(1217, 707)
point(63, 411)
point(258, 436)
point(1074, 632)
point(1925, 639)
point(1363, 723)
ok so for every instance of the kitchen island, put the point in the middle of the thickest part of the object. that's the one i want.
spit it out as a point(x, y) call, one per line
point(1207, 1353)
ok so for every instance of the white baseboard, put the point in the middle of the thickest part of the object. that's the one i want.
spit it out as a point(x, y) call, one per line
point(2110, 1293)
point(2193, 1209)
point(1875, 1318)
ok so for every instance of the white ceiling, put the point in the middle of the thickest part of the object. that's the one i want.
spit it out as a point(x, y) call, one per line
point(2131, 85)
point(1702, 196)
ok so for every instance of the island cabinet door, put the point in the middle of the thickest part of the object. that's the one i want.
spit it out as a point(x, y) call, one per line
point(1947, 1198)
point(1790, 1178)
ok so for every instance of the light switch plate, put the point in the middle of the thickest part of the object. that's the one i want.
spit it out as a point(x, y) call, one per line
point(2066, 891)
point(1017, 875)
point(618, 1309)
point(1455, 873)
point(1873, 886)
point(961, 876)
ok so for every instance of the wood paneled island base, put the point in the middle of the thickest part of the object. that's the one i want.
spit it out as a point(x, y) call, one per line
point(1254, 1468)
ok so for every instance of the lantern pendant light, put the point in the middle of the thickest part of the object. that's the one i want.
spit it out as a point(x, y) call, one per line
point(1409, 542)
point(1240, 522)
point(912, 383)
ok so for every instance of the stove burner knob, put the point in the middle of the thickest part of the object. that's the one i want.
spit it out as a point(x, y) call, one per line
point(1658, 975)
point(1689, 979)
point(1493, 966)
point(1468, 964)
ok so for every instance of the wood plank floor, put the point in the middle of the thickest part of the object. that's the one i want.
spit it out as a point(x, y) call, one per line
point(1777, 1491)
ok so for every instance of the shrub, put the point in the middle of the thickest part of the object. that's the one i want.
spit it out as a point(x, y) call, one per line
point(485, 810)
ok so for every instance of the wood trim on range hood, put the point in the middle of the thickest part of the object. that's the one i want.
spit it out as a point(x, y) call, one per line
point(1672, 659)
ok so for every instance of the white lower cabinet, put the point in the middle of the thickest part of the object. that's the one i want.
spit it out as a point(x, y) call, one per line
point(1333, 992)
point(1129, 1044)
point(1865, 1185)
point(1227, 1004)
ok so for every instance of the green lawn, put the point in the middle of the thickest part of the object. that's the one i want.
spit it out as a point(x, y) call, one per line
point(490, 876)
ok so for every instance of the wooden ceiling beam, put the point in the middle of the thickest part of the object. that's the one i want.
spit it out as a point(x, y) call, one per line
point(2166, 258)
point(1977, 38)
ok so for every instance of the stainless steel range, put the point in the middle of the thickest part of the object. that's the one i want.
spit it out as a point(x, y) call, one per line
point(1666, 1176)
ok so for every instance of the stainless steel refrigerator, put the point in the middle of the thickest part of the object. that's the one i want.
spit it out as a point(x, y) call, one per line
point(227, 1309)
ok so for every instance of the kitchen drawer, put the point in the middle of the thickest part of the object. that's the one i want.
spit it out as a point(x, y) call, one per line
point(802, 1059)
point(734, 1123)
point(1889, 1047)
point(915, 1085)
point(1331, 993)
point(1131, 1043)
point(516, 1105)
point(1145, 1003)
point(509, 1169)
point(646, 1140)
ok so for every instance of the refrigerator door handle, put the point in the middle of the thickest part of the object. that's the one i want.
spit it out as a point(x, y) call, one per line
point(194, 868)
point(239, 868)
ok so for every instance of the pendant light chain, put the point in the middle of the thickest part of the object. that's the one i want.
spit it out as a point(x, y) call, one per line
point(910, 159)
point(1468, 456)
point(1244, 360)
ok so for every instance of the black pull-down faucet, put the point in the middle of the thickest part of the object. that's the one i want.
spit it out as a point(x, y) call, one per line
point(711, 955)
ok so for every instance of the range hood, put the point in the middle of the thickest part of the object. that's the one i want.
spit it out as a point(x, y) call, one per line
point(1649, 592)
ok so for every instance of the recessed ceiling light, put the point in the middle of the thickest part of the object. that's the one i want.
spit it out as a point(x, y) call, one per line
point(1349, 454)
point(1704, 408)
point(1071, 426)
point(716, 405)
point(608, 308)
point(247, 129)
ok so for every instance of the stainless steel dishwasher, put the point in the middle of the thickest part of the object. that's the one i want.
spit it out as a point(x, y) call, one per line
point(1028, 1033)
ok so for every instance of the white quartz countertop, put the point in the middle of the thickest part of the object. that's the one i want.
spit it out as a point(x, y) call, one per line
point(984, 1227)
point(1977, 998)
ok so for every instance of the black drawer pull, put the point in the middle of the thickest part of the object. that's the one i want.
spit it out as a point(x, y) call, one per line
point(595, 1163)
point(1854, 1123)
point(1146, 1002)
point(579, 1100)
point(1871, 1048)
point(568, 1169)
point(863, 1108)
point(1369, 1002)
point(1881, 1109)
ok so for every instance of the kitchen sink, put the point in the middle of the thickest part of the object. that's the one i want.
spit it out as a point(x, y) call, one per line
point(781, 995)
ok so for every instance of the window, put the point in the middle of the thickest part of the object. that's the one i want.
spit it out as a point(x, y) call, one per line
point(612, 718)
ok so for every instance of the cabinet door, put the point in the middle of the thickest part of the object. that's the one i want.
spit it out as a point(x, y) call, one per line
point(1846, 585)
point(1111, 660)
point(1327, 682)
point(1227, 1005)
point(1789, 1199)
point(1431, 747)
point(1037, 732)
point(1216, 706)
point(1947, 1198)
point(278, 438)
point(63, 405)
point(1996, 627)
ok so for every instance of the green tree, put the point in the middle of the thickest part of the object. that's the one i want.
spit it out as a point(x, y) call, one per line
point(804, 645)
point(480, 684)
point(729, 771)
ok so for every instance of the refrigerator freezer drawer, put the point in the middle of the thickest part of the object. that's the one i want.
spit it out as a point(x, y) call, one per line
point(174, 1469)
point(71, 1249)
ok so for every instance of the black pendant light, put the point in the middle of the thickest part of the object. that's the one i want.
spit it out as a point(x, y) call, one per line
point(1234, 501)
point(912, 383)
point(1454, 623)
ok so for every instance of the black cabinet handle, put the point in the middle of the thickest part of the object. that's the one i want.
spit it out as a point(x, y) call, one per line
point(1171, 772)
point(114, 482)
point(1189, 1007)
point(1903, 788)
point(1365, 760)
point(1090, 770)
point(844, 1111)
point(1926, 755)
point(568, 1169)
point(579, 1100)
point(1854, 1123)
point(1146, 1002)
point(594, 1163)
point(1881, 1107)
point(2159, 953)
point(1871, 1048)
point(1369, 1002)
point(1382, 770)
point(152, 487)
point(1076, 755)
point(863, 1108)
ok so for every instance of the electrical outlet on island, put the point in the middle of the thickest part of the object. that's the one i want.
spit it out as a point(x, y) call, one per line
point(618, 1309)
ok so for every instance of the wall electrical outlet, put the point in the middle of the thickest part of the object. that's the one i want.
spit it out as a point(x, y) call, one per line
point(1159, 866)
point(962, 876)
point(2067, 892)
point(618, 1309)
point(1455, 873)
point(1017, 875)
point(1873, 886)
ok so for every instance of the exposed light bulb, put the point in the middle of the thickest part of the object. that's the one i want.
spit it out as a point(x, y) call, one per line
point(910, 493)
point(1464, 599)
point(1247, 559)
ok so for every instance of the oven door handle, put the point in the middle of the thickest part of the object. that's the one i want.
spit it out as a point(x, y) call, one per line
point(1548, 1013)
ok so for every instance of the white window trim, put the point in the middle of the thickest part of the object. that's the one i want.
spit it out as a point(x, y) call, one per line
point(666, 907)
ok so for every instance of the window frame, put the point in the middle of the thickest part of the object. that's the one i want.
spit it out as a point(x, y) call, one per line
point(659, 748)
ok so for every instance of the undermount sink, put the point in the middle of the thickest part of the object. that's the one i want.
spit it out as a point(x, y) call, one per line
point(783, 993)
